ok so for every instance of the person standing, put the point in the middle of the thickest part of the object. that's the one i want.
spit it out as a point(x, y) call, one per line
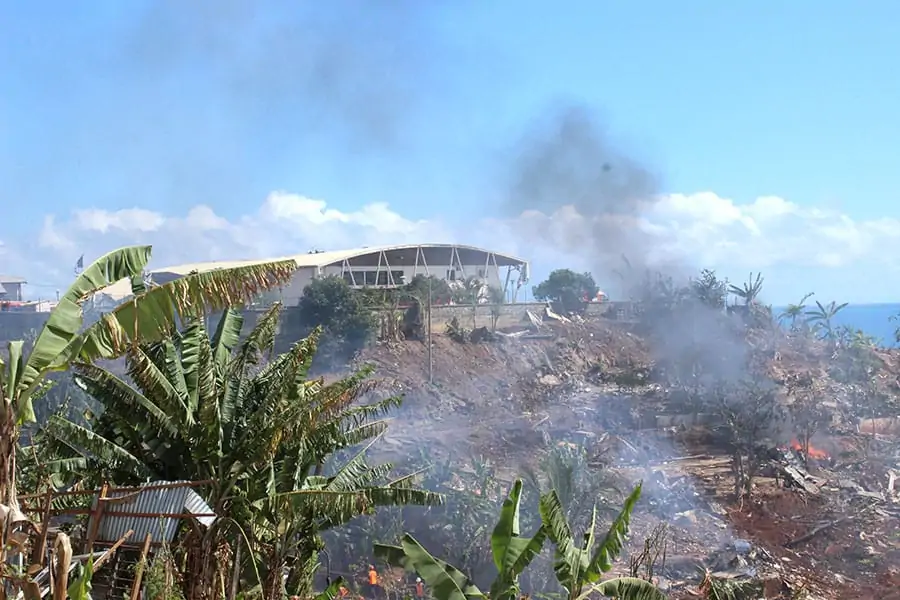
point(420, 589)
point(372, 581)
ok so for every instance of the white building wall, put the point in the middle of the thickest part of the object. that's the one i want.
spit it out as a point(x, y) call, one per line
point(488, 274)
point(291, 293)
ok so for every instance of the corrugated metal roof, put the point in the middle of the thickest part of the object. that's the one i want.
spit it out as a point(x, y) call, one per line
point(150, 501)
point(11, 279)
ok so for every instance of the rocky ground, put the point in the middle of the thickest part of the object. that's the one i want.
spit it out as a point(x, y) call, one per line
point(827, 530)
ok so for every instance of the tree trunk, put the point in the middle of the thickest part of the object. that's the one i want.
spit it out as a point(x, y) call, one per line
point(273, 586)
point(9, 439)
point(203, 578)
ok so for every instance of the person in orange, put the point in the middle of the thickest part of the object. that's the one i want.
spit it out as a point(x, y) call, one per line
point(343, 591)
point(373, 582)
point(420, 588)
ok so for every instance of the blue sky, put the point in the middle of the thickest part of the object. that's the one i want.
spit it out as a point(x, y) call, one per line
point(126, 106)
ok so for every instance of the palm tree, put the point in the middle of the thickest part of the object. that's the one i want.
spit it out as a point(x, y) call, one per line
point(822, 318)
point(209, 408)
point(149, 316)
point(749, 291)
point(794, 312)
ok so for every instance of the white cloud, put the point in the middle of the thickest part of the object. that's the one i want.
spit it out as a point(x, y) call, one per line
point(701, 229)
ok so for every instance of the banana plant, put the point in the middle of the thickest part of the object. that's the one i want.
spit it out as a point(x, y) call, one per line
point(579, 569)
point(512, 553)
point(148, 317)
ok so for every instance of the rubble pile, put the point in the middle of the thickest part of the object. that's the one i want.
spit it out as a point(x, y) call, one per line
point(824, 524)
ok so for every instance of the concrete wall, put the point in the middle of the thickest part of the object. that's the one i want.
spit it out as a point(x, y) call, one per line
point(18, 325)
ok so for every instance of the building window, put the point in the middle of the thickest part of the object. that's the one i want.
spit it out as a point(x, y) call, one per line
point(371, 278)
point(382, 278)
point(348, 277)
point(399, 277)
point(451, 275)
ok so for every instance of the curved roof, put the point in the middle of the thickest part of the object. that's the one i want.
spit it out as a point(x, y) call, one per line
point(396, 255)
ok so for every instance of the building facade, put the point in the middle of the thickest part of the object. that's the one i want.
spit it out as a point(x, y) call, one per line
point(379, 267)
point(11, 288)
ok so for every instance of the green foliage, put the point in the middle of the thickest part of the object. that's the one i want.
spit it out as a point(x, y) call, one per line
point(794, 313)
point(749, 291)
point(208, 407)
point(567, 289)
point(579, 567)
point(329, 302)
point(821, 319)
point(421, 286)
point(80, 588)
point(149, 316)
point(710, 290)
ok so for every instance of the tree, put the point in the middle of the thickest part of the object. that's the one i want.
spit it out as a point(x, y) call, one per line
point(497, 298)
point(710, 290)
point(567, 289)
point(329, 302)
point(793, 313)
point(749, 410)
point(821, 318)
point(149, 316)
point(210, 408)
point(749, 291)
point(421, 286)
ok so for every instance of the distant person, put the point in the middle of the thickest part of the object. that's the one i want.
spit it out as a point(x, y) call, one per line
point(372, 581)
point(420, 588)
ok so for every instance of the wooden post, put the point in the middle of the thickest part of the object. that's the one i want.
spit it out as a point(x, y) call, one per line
point(94, 519)
point(430, 349)
point(139, 572)
point(40, 549)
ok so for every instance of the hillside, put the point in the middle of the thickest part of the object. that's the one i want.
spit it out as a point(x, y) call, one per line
point(820, 522)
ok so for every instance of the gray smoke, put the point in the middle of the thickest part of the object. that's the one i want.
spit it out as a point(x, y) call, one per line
point(178, 103)
point(569, 168)
point(352, 67)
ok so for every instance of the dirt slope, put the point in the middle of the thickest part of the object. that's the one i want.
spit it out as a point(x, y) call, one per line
point(502, 397)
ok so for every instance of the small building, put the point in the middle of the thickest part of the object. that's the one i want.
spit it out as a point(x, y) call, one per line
point(376, 267)
point(11, 288)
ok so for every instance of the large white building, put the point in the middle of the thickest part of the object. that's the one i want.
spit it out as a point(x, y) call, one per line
point(376, 267)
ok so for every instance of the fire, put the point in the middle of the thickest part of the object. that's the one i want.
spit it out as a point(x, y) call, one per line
point(813, 451)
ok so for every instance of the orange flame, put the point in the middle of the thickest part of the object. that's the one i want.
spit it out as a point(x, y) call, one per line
point(813, 451)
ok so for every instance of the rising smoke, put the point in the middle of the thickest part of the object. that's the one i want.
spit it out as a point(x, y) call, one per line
point(570, 170)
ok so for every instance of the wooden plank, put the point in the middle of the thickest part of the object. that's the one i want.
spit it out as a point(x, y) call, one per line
point(139, 571)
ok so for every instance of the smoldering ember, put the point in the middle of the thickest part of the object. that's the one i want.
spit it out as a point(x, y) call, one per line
point(220, 431)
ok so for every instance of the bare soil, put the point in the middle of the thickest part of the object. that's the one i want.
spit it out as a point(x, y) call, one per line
point(498, 397)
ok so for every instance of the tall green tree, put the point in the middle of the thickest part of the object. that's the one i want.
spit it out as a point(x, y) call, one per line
point(149, 316)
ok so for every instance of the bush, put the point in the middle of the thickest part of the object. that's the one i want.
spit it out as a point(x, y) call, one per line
point(347, 325)
point(567, 289)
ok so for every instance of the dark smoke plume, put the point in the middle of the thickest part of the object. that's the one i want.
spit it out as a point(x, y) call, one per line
point(570, 169)
point(351, 66)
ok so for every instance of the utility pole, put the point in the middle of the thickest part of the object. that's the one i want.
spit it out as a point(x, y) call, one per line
point(430, 348)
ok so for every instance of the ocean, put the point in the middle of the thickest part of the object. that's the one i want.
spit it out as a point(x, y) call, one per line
point(872, 319)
